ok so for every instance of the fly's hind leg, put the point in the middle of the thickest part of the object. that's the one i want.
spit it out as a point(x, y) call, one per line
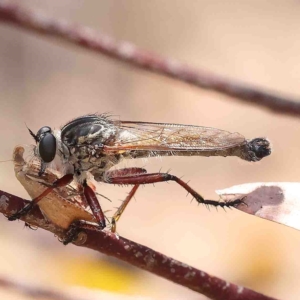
point(122, 207)
point(138, 179)
point(123, 173)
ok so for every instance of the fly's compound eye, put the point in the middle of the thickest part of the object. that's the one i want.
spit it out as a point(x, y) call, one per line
point(47, 147)
point(42, 132)
point(47, 144)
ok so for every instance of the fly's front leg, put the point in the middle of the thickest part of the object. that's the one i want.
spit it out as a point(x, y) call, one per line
point(61, 182)
point(161, 177)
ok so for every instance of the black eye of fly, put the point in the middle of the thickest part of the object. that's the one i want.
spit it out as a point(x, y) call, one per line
point(42, 132)
point(47, 144)
point(47, 147)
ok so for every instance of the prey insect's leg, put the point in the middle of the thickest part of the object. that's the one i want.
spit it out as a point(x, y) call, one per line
point(122, 207)
point(161, 177)
point(61, 182)
point(94, 204)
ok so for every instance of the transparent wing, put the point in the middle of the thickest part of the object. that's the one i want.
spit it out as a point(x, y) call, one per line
point(172, 137)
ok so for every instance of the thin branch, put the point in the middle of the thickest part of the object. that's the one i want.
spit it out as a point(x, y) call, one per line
point(138, 255)
point(124, 51)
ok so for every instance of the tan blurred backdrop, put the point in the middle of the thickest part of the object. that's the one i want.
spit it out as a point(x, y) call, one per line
point(47, 83)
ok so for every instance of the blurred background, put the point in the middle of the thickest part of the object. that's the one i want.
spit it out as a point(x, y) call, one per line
point(44, 82)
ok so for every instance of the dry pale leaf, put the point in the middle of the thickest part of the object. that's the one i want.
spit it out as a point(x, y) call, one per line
point(274, 201)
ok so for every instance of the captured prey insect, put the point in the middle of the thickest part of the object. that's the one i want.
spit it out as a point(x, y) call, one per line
point(93, 144)
point(63, 206)
point(72, 201)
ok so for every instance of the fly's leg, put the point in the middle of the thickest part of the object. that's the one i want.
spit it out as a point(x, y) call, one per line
point(71, 233)
point(74, 229)
point(124, 173)
point(94, 204)
point(121, 208)
point(161, 177)
point(61, 182)
point(76, 226)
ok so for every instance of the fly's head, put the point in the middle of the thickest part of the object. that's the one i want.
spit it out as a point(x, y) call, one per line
point(49, 147)
point(46, 143)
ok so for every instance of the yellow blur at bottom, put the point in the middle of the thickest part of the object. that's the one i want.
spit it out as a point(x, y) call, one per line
point(101, 275)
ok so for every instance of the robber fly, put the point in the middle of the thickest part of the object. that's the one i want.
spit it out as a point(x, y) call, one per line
point(93, 144)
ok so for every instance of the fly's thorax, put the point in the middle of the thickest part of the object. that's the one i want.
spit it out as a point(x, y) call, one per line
point(86, 153)
point(96, 166)
point(107, 163)
point(89, 130)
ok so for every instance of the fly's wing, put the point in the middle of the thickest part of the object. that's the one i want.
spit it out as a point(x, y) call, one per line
point(161, 137)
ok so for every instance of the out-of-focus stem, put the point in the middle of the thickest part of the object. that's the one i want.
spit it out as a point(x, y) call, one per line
point(88, 38)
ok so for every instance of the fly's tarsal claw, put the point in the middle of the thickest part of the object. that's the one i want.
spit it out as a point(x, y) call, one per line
point(228, 204)
point(241, 201)
point(72, 233)
point(12, 217)
point(21, 212)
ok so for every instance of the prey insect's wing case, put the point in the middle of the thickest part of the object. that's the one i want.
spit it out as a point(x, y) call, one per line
point(172, 137)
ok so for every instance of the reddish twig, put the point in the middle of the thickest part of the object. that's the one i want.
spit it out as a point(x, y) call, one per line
point(124, 51)
point(138, 255)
